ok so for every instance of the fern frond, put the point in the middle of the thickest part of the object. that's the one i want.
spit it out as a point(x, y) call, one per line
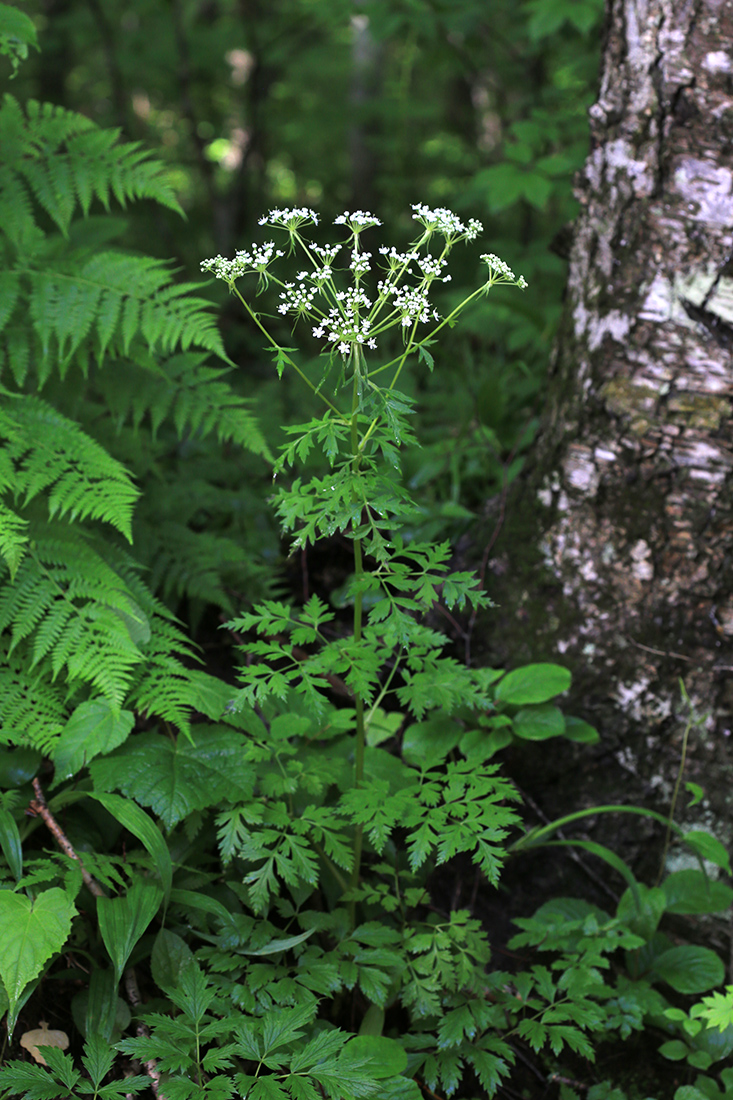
point(13, 537)
point(32, 709)
point(165, 687)
point(43, 451)
point(118, 298)
point(15, 352)
point(196, 398)
point(65, 161)
point(67, 604)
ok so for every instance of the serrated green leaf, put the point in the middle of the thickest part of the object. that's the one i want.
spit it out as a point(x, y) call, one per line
point(30, 932)
point(689, 969)
point(95, 728)
point(175, 778)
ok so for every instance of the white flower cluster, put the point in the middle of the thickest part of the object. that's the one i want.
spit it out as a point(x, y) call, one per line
point(327, 253)
point(297, 299)
point(290, 219)
point(356, 221)
point(256, 260)
point(502, 270)
point(360, 263)
point(397, 259)
point(412, 303)
point(446, 222)
point(345, 326)
point(432, 266)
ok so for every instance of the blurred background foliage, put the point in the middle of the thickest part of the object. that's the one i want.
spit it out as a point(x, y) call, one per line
point(477, 105)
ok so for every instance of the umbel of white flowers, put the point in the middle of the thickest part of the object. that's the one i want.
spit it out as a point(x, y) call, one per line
point(349, 318)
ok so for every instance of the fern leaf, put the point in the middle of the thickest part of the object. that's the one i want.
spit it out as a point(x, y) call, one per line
point(9, 291)
point(42, 450)
point(16, 352)
point(32, 709)
point(66, 161)
point(13, 538)
point(166, 688)
point(122, 297)
point(66, 604)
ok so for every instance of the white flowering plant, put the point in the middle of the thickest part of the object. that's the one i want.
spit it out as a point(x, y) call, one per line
point(358, 802)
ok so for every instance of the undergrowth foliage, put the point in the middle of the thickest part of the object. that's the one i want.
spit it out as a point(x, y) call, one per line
point(252, 865)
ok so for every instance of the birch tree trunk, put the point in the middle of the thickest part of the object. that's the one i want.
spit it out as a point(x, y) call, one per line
point(638, 515)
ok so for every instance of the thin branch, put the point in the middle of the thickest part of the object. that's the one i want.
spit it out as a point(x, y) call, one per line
point(39, 806)
point(142, 1029)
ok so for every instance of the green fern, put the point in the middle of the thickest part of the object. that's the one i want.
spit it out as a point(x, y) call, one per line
point(43, 451)
point(33, 709)
point(64, 161)
point(183, 391)
point(113, 298)
point(119, 348)
point(68, 605)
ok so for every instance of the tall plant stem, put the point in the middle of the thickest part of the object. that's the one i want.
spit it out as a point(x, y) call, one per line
point(678, 783)
point(358, 610)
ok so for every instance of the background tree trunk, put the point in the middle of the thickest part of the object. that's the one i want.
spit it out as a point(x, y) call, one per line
point(631, 586)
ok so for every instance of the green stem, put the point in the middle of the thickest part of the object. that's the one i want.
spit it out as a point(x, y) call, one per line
point(676, 791)
point(358, 612)
point(286, 357)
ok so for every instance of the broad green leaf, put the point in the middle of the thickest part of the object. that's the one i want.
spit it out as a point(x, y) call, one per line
point(689, 969)
point(426, 744)
point(693, 891)
point(177, 777)
point(675, 1050)
point(644, 919)
point(532, 684)
point(190, 899)
point(538, 723)
point(373, 1021)
point(122, 921)
point(30, 932)
point(139, 824)
point(95, 728)
point(10, 843)
point(387, 1057)
point(689, 1092)
point(708, 847)
point(382, 726)
point(578, 730)
point(98, 1010)
point(18, 766)
point(697, 793)
point(170, 957)
point(275, 946)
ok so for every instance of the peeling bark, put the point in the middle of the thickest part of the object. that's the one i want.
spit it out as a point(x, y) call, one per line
point(637, 513)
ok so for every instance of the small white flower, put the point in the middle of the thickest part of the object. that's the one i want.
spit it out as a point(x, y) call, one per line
point(499, 270)
point(344, 349)
point(290, 219)
point(258, 259)
point(442, 220)
point(297, 299)
point(356, 221)
point(360, 262)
